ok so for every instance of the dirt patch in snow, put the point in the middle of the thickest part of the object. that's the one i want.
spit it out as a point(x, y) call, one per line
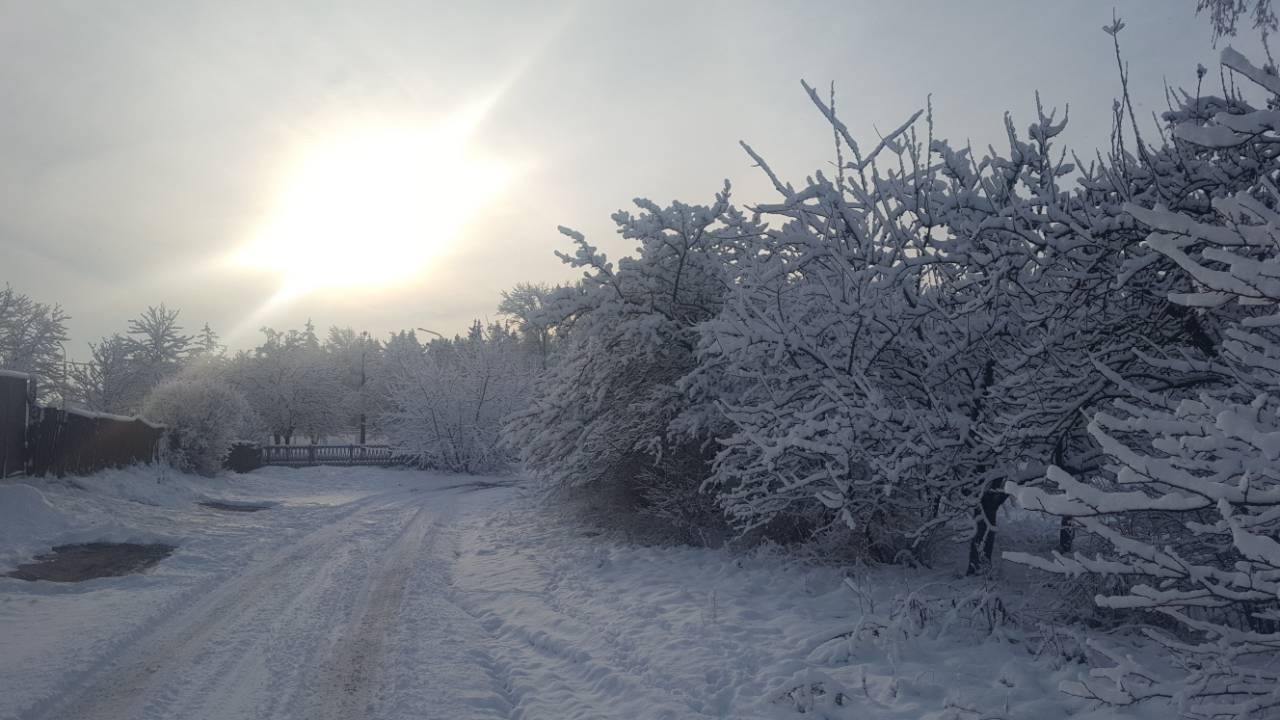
point(232, 507)
point(85, 561)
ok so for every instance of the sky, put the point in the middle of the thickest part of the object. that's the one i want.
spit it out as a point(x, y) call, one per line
point(387, 165)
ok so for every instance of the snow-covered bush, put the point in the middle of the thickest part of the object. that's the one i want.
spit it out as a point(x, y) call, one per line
point(601, 413)
point(828, 357)
point(205, 414)
point(1189, 501)
point(858, 351)
point(446, 401)
point(927, 325)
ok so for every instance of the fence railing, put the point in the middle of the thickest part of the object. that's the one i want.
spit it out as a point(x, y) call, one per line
point(305, 455)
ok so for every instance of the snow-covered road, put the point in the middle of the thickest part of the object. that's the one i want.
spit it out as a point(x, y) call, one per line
point(365, 593)
point(305, 629)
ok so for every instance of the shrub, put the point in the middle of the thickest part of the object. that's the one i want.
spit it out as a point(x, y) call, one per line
point(204, 414)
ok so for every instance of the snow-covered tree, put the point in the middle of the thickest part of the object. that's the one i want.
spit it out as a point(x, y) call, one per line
point(109, 381)
point(928, 325)
point(31, 337)
point(123, 368)
point(1224, 16)
point(206, 345)
point(1189, 500)
point(156, 341)
point(525, 305)
point(446, 402)
point(357, 362)
point(400, 350)
point(291, 385)
point(601, 412)
point(851, 391)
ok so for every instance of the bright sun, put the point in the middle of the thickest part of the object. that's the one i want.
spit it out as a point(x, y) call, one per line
point(371, 208)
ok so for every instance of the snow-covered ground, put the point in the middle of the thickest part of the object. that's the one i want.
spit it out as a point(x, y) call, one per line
point(396, 594)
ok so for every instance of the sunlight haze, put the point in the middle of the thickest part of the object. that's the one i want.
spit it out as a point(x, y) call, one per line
point(398, 164)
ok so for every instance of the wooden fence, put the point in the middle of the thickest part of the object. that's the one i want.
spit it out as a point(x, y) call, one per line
point(37, 440)
point(80, 442)
point(15, 400)
point(307, 455)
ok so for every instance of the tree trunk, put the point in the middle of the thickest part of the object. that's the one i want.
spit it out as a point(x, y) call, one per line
point(982, 544)
point(1066, 536)
point(983, 541)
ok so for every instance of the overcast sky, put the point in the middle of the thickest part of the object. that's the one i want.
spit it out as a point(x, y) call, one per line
point(145, 143)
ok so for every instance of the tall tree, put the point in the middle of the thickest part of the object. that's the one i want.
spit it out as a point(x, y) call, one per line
point(525, 304)
point(155, 338)
point(206, 344)
point(291, 385)
point(31, 338)
point(109, 381)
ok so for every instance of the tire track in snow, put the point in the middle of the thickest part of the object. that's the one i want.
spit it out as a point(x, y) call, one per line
point(556, 659)
point(146, 677)
point(275, 645)
point(455, 673)
point(348, 675)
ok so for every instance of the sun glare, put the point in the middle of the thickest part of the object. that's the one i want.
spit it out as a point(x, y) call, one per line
point(372, 208)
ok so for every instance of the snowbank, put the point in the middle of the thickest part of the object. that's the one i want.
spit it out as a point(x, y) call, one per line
point(149, 485)
point(108, 506)
point(591, 626)
point(29, 523)
point(95, 415)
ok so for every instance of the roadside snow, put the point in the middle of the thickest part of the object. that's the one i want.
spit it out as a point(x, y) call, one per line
point(28, 522)
point(589, 627)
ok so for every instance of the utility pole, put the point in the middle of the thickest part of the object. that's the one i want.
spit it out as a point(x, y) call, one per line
point(364, 347)
point(66, 375)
